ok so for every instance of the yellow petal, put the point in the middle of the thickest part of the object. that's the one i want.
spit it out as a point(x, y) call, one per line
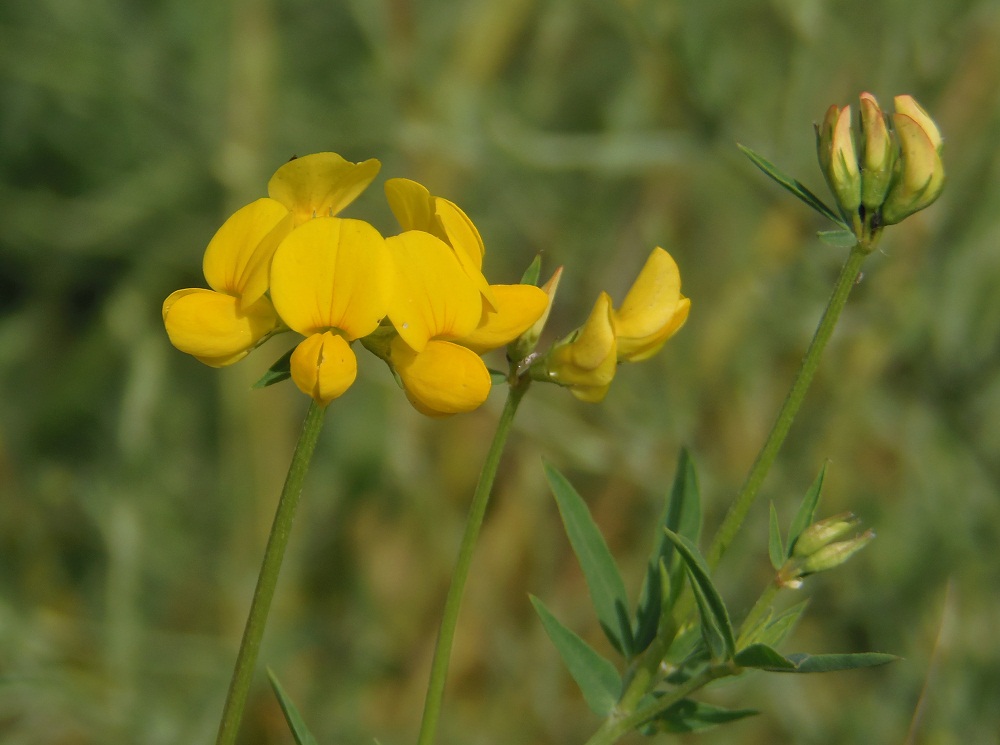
point(320, 185)
point(443, 379)
point(461, 233)
point(648, 315)
point(637, 350)
point(323, 366)
point(233, 247)
point(517, 309)
point(589, 357)
point(590, 394)
point(432, 296)
point(411, 203)
point(457, 230)
point(332, 273)
point(211, 326)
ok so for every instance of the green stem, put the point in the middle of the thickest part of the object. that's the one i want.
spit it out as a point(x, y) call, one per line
point(616, 727)
point(246, 660)
point(453, 602)
point(741, 506)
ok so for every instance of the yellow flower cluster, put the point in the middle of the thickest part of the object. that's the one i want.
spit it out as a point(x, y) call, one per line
point(417, 299)
point(653, 310)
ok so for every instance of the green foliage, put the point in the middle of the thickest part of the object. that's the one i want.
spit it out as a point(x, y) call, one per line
point(597, 677)
point(717, 631)
point(296, 725)
point(793, 186)
point(682, 515)
point(277, 372)
point(763, 657)
point(694, 716)
point(607, 590)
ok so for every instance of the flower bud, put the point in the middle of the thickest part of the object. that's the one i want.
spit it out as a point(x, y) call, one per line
point(525, 344)
point(839, 160)
point(834, 554)
point(819, 548)
point(919, 176)
point(879, 155)
point(824, 532)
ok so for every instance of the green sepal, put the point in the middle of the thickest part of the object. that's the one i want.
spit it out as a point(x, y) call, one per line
point(298, 728)
point(688, 715)
point(806, 514)
point(534, 270)
point(792, 185)
point(681, 514)
point(607, 590)
point(280, 370)
point(775, 548)
point(763, 657)
point(838, 238)
point(716, 626)
point(496, 376)
point(597, 678)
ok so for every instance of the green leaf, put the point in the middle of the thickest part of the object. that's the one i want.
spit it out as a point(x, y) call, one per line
point(681, 514)
point(693, 716)
point(607, 591)
point(827, 663)
point(838, 238)
point(795, 187)
point(277, 372)
point(531, 274)
point(806, 514)
point(775, 549)
point(298, 728)
point(597, 677)
point(782, 624)
point(715, 617)
point(763, 657)
point(497, 377)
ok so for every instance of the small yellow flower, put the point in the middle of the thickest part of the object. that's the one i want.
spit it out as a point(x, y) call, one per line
point(653, 310)
point(434, 305)
point(220, 326)
point(331, 280)
point(416, 208)
point(586, 360)
point(443, 309)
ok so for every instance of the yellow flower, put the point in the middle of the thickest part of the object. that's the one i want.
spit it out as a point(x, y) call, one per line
point(220, 326)
point(416, 208)
point(217, 326)
point(443, 324)
point(653, 311)
point(331, 280)
point(587, 359)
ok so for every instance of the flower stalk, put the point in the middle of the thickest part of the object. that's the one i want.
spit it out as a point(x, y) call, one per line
point(849, 275)
point(453, 601)
point(253, 632)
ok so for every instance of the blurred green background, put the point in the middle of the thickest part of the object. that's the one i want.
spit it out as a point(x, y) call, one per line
point(137, 486)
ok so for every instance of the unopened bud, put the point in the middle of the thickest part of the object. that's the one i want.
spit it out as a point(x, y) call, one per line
point(823, 533)
point(834, 554)
point(919, 176)
point(839, 160)
point(879, 155)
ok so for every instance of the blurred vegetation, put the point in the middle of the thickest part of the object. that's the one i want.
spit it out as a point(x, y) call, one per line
point(137, 486)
